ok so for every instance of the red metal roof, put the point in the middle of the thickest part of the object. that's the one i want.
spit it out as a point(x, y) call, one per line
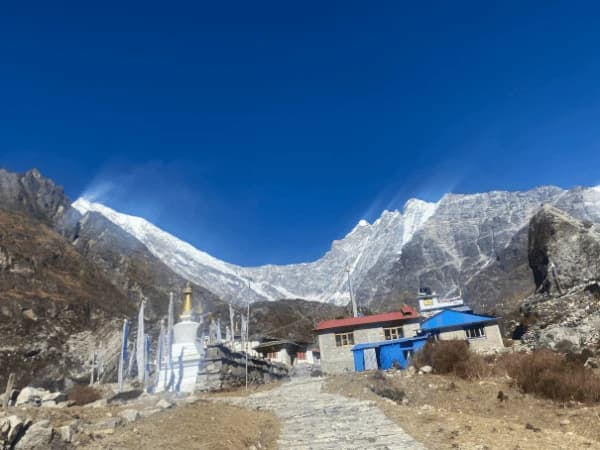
point(405, 313)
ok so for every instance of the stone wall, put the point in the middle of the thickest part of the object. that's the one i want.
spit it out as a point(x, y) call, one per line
point(491, 342)
point(225, 369)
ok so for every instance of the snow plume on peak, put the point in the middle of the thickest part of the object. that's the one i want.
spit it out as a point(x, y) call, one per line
point(160, 243)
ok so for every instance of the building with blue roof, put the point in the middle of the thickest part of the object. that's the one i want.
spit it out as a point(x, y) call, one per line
point(386, 354)
point(482, 332)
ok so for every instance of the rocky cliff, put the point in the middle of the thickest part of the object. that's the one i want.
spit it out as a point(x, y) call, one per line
point(54, 304)
point(564, 256)
point(32, 194)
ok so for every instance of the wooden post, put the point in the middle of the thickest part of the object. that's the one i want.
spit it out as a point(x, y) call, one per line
point(9, 388)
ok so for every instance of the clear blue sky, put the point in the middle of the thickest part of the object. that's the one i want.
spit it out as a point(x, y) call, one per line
point(261, 131)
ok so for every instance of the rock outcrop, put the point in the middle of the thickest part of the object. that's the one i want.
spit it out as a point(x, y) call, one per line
point(49, 295)
point(564, 256)
point(563, 252)
point(33, 194)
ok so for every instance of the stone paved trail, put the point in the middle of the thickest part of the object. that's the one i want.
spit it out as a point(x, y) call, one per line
point(312, 419)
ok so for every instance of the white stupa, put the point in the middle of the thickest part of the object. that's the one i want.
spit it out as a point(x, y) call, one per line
point(186, 350)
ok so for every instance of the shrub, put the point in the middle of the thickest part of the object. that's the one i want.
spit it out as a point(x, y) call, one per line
point(452, 357)
point(384, 388)
point(552, 375)
point(82, 395)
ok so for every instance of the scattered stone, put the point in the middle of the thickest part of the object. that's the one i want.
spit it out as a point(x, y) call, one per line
point(16, 428)
point(125, 396)
point(192, 399)
point(111, 423)
point(49, 404)
point(426, 369)
point(97, 404)
point(129, 415)
point(56, 397)
point(564, 422)
point(66, 433)
point(38, 436)
point(592, 363)
point(164, 404)
point(149, 412)
point(533, 428)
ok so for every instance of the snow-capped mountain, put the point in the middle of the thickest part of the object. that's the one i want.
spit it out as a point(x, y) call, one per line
point(323, 280)
point(444, 245)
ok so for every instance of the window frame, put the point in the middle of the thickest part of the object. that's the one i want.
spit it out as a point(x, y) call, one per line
point(476, 332)
point(344, 339)
point(388, 333)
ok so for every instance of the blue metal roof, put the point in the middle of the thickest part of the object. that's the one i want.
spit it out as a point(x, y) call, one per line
point(390, 342)
point(449, 319)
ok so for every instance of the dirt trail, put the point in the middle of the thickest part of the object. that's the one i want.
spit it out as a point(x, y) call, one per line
point(312, 419)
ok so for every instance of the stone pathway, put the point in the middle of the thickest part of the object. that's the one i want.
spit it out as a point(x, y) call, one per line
point(312, 419)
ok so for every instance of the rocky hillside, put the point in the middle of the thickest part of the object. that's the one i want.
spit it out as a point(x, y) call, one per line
point(54, 304)
point(67, 281)
point(132, 268)
point(291, 319)
point(564, 256)
point(32, 194)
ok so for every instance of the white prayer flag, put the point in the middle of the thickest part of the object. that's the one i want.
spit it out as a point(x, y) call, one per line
point(170, 377)
point(141, 346)
point(123, 356)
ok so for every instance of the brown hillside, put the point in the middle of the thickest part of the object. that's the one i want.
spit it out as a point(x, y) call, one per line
point(48, 293)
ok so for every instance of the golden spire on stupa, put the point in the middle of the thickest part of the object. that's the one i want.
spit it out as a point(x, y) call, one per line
point(187, 305)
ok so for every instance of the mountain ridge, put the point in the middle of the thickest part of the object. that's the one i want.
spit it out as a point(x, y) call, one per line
point(447, 245)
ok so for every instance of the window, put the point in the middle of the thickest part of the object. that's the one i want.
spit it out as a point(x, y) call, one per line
point(393, 333)
point(475, 332)
point(343, 339)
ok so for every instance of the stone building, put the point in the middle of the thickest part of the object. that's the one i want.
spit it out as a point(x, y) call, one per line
point(482, 332)
point(280, 350)
point(337, 337)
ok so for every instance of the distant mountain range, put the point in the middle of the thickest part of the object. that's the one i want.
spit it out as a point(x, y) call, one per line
point(70, 274)
point(475, 243)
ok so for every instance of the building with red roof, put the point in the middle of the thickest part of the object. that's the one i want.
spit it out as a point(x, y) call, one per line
point(338, 336)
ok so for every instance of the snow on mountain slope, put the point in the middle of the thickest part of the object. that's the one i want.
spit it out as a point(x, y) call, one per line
point(442, 245)
point(323, 280)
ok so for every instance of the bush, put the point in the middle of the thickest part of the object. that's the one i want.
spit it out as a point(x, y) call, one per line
point(552, 375)
point(82, 395)
point(452, 357)
point(381, 386)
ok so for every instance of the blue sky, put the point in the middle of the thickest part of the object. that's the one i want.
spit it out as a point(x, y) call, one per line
point(261, 131)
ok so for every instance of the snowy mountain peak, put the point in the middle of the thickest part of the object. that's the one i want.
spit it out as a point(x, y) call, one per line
point(417, 204)
point(461, 233)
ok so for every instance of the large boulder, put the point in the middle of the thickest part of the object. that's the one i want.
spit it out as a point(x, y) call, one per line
point(31, 396)
point(11, 429)
point(37, 437)
point(564, 255)
point(563, 252)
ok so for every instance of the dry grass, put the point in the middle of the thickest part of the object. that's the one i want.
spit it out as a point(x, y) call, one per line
point(452, 357)
point(205, 425)
point(380, 386)
point(445, 412)
point(82, 395)
point(552, 375)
